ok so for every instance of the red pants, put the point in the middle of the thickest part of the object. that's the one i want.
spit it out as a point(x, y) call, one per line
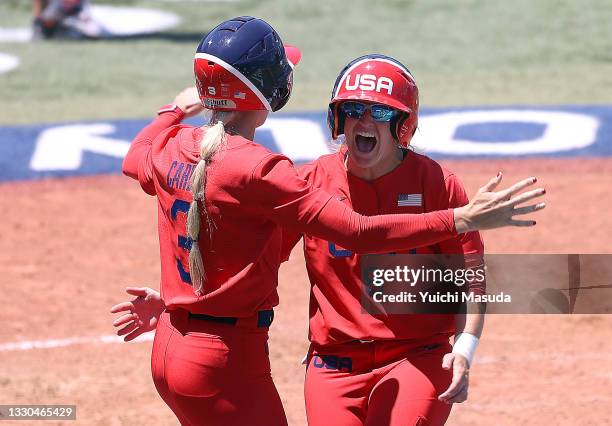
point(377, 383)
point(214, 374)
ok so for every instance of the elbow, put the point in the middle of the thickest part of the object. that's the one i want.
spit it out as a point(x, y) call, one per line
point(129, 167)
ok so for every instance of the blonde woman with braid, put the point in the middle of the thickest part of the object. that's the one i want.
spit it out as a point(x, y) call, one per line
point(223, 201)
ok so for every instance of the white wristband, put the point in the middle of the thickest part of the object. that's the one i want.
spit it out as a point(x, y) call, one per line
point(466, 344)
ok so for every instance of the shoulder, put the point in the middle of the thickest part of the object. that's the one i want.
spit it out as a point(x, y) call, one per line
point(242, 160)
point(173, 131)
point(240, 146)
point(331, 162)
point(328, 165)
point(172, 136)
point(433, 171)
point(439, 183)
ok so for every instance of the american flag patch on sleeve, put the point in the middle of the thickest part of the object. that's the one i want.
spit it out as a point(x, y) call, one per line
point(410, 200)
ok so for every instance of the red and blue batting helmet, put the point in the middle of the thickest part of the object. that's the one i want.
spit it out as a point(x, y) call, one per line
point(242, 64)
point(382, 80)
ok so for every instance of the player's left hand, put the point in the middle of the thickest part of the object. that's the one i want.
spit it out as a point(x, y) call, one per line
point(458, 389)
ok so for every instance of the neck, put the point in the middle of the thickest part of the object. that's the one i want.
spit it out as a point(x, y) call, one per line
point(244, 123)
point(240, 123)
point(380, 169)
point(245, 130)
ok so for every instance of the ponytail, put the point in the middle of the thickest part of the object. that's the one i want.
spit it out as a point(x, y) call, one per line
point(211, 142)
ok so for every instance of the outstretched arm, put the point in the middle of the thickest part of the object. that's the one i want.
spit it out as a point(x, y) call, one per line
point(291, 202)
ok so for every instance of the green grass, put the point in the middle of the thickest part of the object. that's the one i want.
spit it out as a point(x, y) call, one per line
point(462, 52)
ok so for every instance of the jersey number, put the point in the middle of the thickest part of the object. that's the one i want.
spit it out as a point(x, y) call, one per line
point(183, 241)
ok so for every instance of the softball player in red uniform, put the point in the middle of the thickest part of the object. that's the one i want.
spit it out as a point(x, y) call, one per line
point(362, 368)
point(222, 202)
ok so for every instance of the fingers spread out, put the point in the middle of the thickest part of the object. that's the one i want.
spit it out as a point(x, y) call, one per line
point(518, 187)
point(521, 223)
point(134, 334)
point(124, 319)
point(122, 307)
point(528, 209)
point(128, 329)
point(526, 196)
point(136, 291)
point(492, 184)
point(524, 210)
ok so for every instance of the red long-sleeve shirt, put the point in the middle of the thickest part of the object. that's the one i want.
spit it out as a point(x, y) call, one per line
point(250, 194)
point(336, 312)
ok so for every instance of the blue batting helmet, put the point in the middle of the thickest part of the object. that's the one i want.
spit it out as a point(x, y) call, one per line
point(242, 64)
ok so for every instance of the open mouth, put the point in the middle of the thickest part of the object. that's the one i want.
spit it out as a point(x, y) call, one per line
point(365, 142)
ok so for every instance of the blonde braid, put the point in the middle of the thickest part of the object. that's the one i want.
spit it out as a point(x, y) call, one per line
point(211, 142)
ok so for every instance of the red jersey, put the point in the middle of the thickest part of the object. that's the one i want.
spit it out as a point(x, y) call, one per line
point(417, 185)
point(250, 194)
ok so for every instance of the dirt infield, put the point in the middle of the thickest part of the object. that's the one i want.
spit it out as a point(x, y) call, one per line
point(68, 247)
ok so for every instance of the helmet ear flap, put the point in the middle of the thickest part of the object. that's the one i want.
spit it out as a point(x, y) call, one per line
point(331, 122)
point(396, 124)
point(335, 120)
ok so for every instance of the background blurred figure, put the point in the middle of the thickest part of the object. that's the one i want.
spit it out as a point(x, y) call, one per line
point(64, 19)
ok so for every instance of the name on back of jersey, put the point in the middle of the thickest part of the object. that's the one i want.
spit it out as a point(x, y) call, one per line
point(179, 175)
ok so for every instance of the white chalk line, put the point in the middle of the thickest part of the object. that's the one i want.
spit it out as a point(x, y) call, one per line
point(28, 345)
point(71, 341)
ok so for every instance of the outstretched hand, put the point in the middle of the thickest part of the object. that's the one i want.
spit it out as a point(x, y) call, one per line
point(489, 209)
point(141, 314)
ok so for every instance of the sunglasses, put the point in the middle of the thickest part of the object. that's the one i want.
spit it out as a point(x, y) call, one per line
point(380, 113)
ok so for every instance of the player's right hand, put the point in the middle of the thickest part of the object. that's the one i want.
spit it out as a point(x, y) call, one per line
point(189, 102)
point(141, 314)
point(489, 209)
